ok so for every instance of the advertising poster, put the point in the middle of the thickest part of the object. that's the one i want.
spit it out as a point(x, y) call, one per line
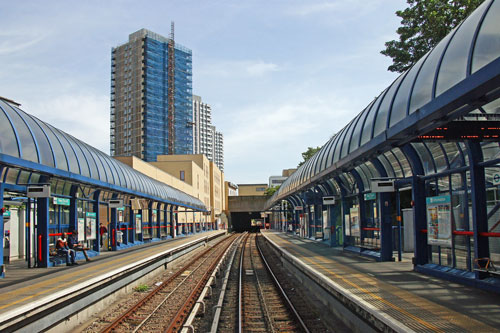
point(119, 211)
point(347, 225)
point(91, 226)
point(354, 212)
point(81, 229)
point(138, 224)
point(154, 216)
point(439, 220)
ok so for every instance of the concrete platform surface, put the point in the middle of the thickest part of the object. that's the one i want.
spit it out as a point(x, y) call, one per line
point(418, 302)
point(23, 287)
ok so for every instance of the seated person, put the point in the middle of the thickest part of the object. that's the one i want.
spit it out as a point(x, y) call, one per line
point(62, 247)
point(74, 245)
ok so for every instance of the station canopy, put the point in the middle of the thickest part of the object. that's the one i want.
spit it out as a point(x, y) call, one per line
point(31, 148)
point(456, 84)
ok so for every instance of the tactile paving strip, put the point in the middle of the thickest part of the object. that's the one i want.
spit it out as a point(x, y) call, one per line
point(411, 310)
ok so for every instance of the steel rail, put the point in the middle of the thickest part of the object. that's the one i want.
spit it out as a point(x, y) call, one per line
point(177, 321)
point(283, 293)
point(240, 287)
point(155, 291)
point(218, 307)
point(267, 315)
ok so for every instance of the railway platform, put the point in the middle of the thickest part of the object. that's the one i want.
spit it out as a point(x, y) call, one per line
point(39, 292)
point(390, 295)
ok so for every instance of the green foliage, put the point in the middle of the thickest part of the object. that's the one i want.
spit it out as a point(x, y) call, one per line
point(308, 154)
point(424, 23)
point(142, 288)
point(271, 190)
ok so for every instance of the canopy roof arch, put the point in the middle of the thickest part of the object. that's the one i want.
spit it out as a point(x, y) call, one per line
point(29, 146)
point(460, 77)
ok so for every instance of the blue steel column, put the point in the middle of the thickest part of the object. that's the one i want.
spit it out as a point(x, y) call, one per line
point(478, 196)
point(385, 218)
point(343, 210)
point(2, 232)
point(419, 206)
point(112, 231)
point(150, 219)
point(73, 212)
point(42, 232)
point(97, 241)
point(158, 221)
point(361, 200)
point(173, 220)
point(385, 228)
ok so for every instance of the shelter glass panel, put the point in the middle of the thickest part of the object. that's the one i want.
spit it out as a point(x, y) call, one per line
point(383, 112)
point(492, 107)
point(356, 134)
point(425, 157)
point(84, 166)
point(11, 177)
point(44, 147)
point(28, 148)
point(92, 163)
point(8, 147)
point(491, 150)
point(57, 149)
point(327, 155)
point(403, 161)
point(454, 65)
point(487, 46)
point(454, 154)
point(438, 156)
point(422, 92)
point(387, 166)
point(395, 165)
point(370, 117)
point(70, 154)
point(400, 105)
point(338, 145)
point(345, 142)
point(364, 178)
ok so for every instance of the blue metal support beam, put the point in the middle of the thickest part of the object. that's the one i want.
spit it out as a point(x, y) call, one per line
point(419, 206)
point(478, 196)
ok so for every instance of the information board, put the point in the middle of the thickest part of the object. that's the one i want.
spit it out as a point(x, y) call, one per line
point(439, 220)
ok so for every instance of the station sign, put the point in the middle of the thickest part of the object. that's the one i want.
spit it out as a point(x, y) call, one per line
point(299, 208)
point(370, 196)
point(61, 201)
point(496, 179)
point(330, 200)
point(38, 191)
point(115, 203)
point(263, 214)
point(382, 186)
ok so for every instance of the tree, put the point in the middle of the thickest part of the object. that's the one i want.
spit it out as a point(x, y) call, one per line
point(308, 154)
point(271, 190)
point(424, 23)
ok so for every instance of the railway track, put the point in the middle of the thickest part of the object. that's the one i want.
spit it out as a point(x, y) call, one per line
point(165, 308)
point(263, 305)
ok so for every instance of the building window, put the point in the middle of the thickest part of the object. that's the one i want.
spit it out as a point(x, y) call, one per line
point(182, 175)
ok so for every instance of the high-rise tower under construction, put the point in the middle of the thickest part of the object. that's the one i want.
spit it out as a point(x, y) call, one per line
point(151, 97)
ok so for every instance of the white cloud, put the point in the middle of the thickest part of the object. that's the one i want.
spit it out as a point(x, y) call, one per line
point(84, 116)
point(16, 41)
point(242, 68)
point(261, 68)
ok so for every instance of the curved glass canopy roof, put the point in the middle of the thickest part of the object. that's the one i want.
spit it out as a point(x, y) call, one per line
point(25, 137)
point(465, 51)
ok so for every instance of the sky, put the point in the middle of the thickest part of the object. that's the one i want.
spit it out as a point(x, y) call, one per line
point(280, 75)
